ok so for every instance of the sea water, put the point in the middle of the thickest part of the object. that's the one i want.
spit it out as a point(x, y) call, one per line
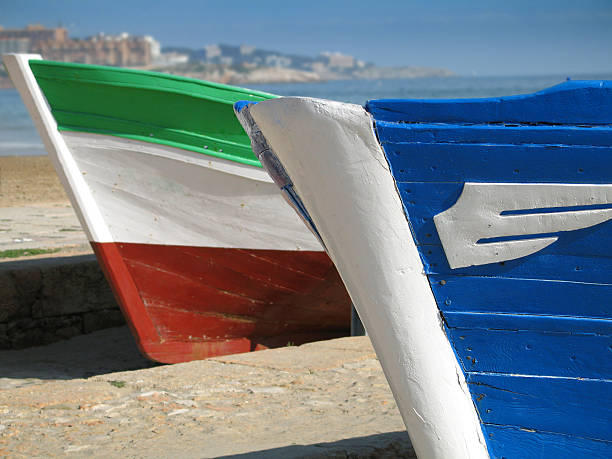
point(19, 137)
point(17, 133)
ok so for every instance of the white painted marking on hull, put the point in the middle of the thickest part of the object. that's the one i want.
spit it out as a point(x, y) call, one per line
point(338, 169)
point(154, 194)
point(477, 215)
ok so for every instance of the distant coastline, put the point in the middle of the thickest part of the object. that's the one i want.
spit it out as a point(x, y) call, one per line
point(265, 75)
point(239, 65)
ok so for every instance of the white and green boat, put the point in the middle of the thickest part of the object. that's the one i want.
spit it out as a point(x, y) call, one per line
point(202, 252)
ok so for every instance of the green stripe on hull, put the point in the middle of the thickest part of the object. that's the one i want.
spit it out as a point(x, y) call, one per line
point(153, 107)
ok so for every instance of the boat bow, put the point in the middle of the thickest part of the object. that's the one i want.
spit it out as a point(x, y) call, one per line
point(329, 151)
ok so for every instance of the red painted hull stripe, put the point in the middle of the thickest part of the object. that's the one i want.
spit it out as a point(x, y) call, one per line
point(184, 303)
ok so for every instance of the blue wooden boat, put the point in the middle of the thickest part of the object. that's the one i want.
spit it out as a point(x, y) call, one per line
point(475, 239)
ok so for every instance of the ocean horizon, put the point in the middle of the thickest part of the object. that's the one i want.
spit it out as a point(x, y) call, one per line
point(18, 137)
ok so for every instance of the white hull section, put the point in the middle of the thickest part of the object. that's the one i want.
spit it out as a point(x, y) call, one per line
point(137, 192)
point(339, 171)
point(155, 194)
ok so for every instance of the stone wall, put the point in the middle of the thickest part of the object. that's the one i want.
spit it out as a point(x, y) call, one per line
point(46, 300)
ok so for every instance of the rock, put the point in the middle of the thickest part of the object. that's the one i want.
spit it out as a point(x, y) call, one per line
point(101, 319)
point(46, 300)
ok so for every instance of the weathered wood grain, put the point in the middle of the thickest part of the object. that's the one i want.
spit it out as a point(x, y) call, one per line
point(507, 295)
point(532, 345)
point(499, 163)
point(558, 405)
point(517, 443)
point(501, 133)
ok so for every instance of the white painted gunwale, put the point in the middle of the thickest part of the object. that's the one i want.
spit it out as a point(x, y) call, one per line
point(338, 169)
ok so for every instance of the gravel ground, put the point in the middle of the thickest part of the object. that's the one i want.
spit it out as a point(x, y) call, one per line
point(95, 396)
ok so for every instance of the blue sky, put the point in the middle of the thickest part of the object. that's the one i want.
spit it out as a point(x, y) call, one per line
point(512, 37)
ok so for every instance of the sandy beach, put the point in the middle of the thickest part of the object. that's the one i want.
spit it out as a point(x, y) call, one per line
point(35, 212)
point(29, 179)
point(95, 396)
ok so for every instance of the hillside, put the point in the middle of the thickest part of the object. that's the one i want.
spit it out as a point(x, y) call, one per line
point(244, 65)
point(247, 64)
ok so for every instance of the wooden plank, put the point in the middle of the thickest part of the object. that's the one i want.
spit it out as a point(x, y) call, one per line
point(515, 443)
point(509, 134)
point(532, 345)
point(572, 102)
point(526, 322)
point(422, 201)
point(547, 264)
point(505, 295)
point(447, 162)
point(253, 284)
point(178, 298)
point(557, 405)
point(125, 103)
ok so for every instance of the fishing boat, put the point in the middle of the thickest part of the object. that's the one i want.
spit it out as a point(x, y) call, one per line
point(475, 239)
point(199, 247)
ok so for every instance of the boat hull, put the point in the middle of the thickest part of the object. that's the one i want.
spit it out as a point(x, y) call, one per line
point(340, 174)
point(475, 236)
point(184, 237)
point(188, 303)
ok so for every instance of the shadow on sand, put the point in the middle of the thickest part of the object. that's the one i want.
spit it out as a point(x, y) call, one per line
point(384, 445)
point(97, 353)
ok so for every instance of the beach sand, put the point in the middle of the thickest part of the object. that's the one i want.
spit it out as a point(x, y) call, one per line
point(35, 212)
point(26, 180)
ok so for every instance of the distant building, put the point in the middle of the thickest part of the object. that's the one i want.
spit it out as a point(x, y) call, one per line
point(155, 47)
point(170, 59)
point(339, 60)
point(274, 60)
point(14, 45)
point(318, 67)
point(245, 50)
point(30, 38)
point(212, 51)
point(34, 34)
point(121, 50)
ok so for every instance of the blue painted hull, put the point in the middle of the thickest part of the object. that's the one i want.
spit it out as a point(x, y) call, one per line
point(533, 334)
